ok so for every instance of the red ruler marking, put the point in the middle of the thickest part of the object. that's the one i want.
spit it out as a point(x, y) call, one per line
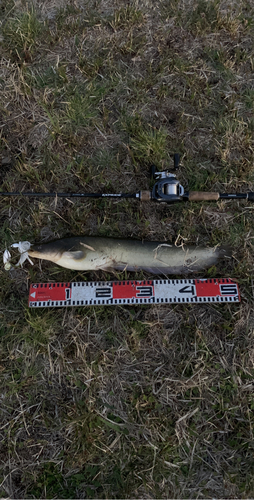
point(48, 291)
point(219, 287)
point(132, 289)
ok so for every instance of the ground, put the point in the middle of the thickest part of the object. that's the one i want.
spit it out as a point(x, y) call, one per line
point(126, 402)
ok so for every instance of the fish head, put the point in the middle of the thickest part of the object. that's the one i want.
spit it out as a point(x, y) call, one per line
point(46, 252)
point(67, 252)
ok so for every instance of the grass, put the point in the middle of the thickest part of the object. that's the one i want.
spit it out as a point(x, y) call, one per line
point(21, 34)
point(118, 402)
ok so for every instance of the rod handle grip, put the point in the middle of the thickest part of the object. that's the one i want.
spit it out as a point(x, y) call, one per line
point(203, 196)
point(145, 195)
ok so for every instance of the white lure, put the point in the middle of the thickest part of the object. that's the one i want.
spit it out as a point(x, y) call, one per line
point(23, 247)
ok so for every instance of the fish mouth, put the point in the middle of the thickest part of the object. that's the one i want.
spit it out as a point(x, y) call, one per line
point(45, 255)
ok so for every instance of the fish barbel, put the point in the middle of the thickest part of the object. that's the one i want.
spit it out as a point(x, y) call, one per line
point(90, 253)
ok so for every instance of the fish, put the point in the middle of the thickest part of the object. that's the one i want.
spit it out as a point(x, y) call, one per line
point(91, 253)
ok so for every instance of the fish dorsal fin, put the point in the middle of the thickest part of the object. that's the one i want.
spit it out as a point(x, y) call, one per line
point(76, 254)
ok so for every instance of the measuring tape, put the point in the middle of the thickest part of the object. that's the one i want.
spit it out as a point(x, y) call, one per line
point(96, 293)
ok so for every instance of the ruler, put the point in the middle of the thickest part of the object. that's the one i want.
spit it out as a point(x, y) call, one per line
point(96, 293)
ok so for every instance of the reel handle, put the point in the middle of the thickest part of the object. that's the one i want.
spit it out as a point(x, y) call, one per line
point(154, 170)
point(176, 161)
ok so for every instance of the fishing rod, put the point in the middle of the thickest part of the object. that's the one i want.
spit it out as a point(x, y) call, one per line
point(167, 189)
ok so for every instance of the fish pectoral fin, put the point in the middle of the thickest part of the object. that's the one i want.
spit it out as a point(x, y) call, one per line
point(76, 255)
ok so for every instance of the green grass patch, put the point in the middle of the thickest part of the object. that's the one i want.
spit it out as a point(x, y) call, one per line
point(204, 18)
point(22, 34)
point(127, 17)
point(52, 77)
point(52, 482)
point(147, 144)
